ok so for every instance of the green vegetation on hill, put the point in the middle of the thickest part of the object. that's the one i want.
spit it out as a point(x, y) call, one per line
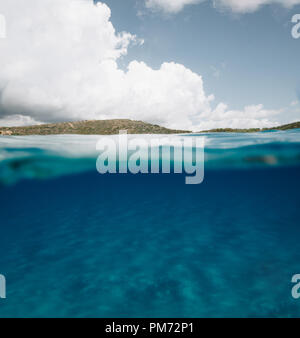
point(294, 125)
point(102, 127)
point(112, 127)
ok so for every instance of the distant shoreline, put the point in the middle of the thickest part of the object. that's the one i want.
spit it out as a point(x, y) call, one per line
point(112, 127)
point(294, 125)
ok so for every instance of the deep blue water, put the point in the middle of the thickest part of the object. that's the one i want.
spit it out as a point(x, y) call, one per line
point(86, 245)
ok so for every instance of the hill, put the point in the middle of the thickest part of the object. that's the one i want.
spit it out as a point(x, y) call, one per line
point(289, 126)
point(112, 127)
point(102, 127)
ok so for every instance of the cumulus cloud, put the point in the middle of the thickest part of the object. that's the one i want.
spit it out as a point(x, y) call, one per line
point(17, 121)
point(254, 116)
point(60, 62)
point(237, 6)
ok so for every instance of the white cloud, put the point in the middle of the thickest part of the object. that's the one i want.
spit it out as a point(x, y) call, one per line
point(59, 62)
point(238, 6)
point(254, 116)
point(17, 121)
point(170, 6)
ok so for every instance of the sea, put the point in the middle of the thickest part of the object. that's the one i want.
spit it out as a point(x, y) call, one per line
point(75, 243)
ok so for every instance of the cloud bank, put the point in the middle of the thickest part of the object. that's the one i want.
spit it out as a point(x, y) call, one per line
point(237, 6)
point(60, 62)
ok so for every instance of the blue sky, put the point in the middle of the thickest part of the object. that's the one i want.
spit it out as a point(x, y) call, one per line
point(184, 64)
point(245, 59)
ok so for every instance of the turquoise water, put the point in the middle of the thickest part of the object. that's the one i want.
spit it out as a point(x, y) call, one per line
point(77, 244)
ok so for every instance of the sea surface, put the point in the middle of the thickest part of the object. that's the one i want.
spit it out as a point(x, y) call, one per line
point(74, 243)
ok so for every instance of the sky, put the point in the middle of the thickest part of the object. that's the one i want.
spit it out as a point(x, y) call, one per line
point(185, 64)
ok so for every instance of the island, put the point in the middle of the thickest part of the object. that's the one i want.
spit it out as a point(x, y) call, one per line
point(294, 125)
point(97, 127)
point(112, 127)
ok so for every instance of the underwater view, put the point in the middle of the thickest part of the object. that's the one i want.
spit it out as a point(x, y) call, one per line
point(75, 243)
